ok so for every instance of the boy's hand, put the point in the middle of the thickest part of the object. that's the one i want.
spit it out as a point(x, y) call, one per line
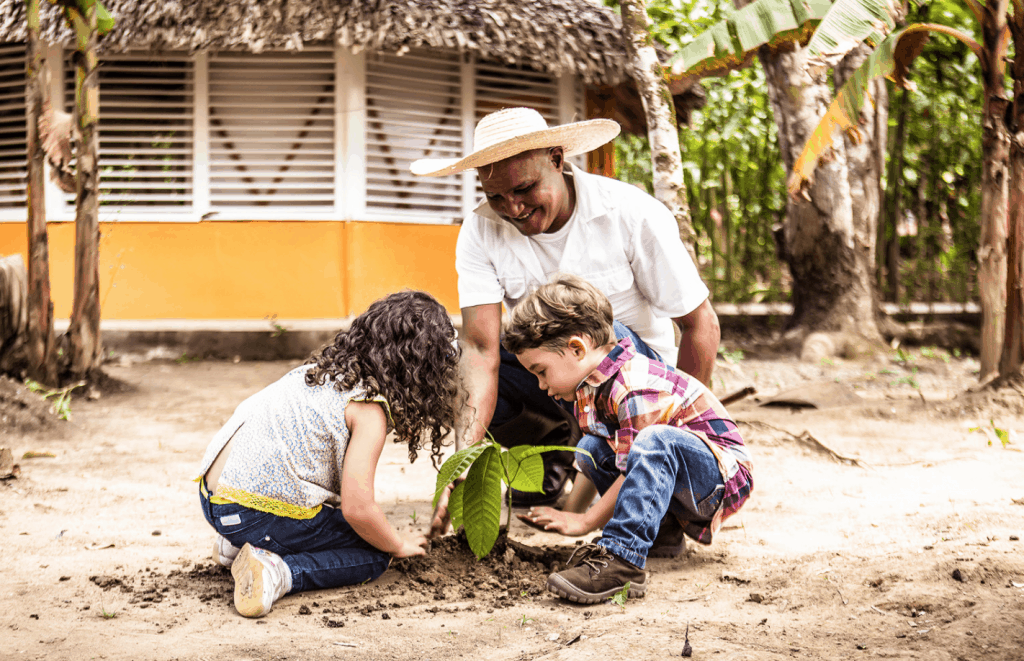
point(548, 518)
point(413, 543)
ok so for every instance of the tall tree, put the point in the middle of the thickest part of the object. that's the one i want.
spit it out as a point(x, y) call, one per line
point(84, 330)
point(1011, 362)
point(828, 255)
point(41, 347)
point(892, 58)
point(662, 129)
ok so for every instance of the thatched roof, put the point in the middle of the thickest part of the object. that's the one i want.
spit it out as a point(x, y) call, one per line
point(554, 36)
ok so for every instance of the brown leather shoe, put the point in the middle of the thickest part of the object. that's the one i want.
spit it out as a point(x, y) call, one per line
point(595, 575)
point(670, 542)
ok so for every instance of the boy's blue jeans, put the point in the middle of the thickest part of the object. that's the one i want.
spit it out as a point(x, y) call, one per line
point(322, 552)
point(668, 470)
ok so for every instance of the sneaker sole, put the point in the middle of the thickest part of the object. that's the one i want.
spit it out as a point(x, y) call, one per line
point(248, 574)
point(567, 590)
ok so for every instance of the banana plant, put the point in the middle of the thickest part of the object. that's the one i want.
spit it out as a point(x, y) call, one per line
point(475, 503)
point(831, 31)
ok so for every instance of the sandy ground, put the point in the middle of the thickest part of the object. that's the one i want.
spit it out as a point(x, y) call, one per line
point(913, 552)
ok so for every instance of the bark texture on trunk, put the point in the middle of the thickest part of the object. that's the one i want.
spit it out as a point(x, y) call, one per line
point(662, 129)
point(995, 178)
point(84, 330)
point(40, 344)
point(865, 159)
point(1011, 362)
point(832, 288)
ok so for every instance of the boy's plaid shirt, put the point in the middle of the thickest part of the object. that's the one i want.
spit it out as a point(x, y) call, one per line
point(628, 392)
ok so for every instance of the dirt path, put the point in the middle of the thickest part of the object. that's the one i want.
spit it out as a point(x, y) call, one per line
point(914, 554)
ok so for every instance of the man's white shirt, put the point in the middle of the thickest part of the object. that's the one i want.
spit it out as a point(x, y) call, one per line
point(619, 238)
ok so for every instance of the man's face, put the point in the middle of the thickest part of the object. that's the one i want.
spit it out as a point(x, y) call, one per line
point(557, 372)
point(529, 191)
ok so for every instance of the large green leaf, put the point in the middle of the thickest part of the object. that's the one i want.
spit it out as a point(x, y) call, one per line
point(455, 466)
point(848, 23)
point(481, 501)
point(525, 469)
point(455, 505)
point(524, 472)
point(731, 44)
point(891, 59)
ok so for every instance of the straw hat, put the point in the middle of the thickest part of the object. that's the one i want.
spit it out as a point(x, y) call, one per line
point(512, 131)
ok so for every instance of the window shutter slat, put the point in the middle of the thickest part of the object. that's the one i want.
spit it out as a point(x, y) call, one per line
point(13, 149)
point(145, 130)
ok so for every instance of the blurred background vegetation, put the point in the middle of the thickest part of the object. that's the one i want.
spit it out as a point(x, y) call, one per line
point(736, 179)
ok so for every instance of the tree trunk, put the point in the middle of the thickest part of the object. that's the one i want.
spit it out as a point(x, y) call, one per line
point(995, 175)
point(865, 159)
point(40, 345)
point(832, 289)
point(1011, 363)
point(84, 330)
point(659, 107)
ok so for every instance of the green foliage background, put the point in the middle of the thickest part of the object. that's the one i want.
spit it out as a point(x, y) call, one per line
point(735, 177)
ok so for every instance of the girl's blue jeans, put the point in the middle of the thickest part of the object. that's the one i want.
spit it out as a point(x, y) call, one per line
point(669, 470)
point(322, 552)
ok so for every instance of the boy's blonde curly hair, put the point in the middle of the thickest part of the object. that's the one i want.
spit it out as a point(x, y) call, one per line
point(553, 313)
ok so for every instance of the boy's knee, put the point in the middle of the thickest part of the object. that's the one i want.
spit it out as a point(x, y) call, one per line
point(657, 436)
point(588, 450)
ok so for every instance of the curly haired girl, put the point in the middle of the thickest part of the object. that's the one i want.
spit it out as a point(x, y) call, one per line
point(290, 477)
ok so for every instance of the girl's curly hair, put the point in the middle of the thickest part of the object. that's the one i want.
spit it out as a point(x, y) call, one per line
point(402, 348)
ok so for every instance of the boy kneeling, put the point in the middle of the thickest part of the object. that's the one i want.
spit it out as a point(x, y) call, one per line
point(664, 454)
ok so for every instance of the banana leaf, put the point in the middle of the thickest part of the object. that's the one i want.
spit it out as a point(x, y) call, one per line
point(731, 44)
point(847, 24)
point(892, 60)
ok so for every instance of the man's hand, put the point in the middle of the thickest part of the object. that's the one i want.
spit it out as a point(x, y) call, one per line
point(548, 518)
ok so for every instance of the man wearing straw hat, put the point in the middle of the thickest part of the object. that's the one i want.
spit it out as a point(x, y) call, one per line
point(543, 216)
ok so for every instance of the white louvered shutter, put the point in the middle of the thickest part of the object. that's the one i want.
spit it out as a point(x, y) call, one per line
point(145, 131)
point(271, 130)
point(413, 110)
point(499, 87)
point(13, 157)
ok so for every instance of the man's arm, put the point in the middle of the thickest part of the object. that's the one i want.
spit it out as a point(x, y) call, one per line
point(480, 337)
point(699, 344)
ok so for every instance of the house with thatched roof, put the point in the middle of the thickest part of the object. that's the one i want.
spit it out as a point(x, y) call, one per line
point(254, 153)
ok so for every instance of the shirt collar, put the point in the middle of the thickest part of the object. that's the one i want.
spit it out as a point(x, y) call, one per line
point(586, 206)
point(611, 364)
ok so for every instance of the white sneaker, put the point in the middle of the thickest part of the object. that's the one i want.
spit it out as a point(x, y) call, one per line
point(224, 552)
point(261, 578)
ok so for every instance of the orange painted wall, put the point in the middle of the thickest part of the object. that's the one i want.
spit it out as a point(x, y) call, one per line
point(250, 270)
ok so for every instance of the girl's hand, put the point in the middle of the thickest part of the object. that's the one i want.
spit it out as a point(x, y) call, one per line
point(548, 518)
point(413, 543)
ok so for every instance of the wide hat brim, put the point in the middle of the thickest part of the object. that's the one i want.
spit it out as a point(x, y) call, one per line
point(575, 138)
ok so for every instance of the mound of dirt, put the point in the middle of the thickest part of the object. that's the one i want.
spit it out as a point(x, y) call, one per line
point(22, 410)
point(511, 574)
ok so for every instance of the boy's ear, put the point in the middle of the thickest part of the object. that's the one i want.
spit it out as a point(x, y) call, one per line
point(577, 346)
